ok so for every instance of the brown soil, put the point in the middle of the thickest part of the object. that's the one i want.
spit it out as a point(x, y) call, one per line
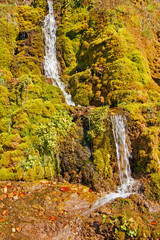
point(52, 210)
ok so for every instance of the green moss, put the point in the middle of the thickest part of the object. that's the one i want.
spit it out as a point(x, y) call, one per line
point(64, 45)
point(28, 17)
point(24, 66)
point(100, 134)
point(106, 47)
point(34, 173)
point(5, 56)
point(6, 174)
point(151, 186)
point(83, 94)
point(101, 162)
point(155, 178)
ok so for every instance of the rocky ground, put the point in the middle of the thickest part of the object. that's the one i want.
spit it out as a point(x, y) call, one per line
point(41, 210)
point(51, 210)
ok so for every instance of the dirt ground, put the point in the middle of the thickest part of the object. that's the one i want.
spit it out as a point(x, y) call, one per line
point(52, 210)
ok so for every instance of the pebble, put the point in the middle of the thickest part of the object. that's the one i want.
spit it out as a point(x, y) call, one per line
point(5, 190)
point(13, 230)
point(15, 197)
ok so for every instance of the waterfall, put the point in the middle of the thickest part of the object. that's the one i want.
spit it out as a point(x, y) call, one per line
point(122, 151)
point(118, 121)
point(127, 182)
point(50, 59)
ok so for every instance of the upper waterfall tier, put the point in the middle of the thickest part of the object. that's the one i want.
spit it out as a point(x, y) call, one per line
point(50, 59)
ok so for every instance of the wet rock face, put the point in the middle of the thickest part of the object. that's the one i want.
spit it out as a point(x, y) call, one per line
point(75, 154)
point(23, 36)
point(26, 39)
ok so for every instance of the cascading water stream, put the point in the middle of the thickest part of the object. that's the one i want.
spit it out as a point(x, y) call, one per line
point(50, 59)
point(127, 182)
point(122, 151)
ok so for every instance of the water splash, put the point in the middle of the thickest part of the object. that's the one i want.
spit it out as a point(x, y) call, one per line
point(50, 59)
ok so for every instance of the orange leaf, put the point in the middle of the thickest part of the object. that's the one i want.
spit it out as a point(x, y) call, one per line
point(15, 193)
point(61, 212)
point(3, 186)
point(4, 212)
point(55, 199)
point(2, 197)
point(52, 218)
point(90, 190)
point(73, 191)
point(65, 189)
point(9, 186)
point(8, 195)
point(22, 194)
point(154, 223)
point(18, 229)
point(3, 220)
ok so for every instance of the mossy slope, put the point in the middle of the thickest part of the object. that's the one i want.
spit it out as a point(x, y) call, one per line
point(109, 58)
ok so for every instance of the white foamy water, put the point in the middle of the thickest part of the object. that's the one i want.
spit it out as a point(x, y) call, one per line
point(50, 59)
point(122, 151)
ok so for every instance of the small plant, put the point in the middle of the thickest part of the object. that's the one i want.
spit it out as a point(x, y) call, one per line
point(103, 219)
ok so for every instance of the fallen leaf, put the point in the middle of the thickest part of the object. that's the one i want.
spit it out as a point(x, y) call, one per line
point(18, 229)
point(15, 193)
point(3, 196)
point(8, 195)
point(3, 186)
point(61, 212)
point(9, 186)
point(52, 218)
point(13, 230)
point(154, 223)
point(90, 190)
point(78, 193)
point(54, 192)
point(44, 216)
point(3, 220)
point(55, 199)
point(65, 189)
point(22, 194)
point(73, 191)
point(4, 212)
point(44, 181)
